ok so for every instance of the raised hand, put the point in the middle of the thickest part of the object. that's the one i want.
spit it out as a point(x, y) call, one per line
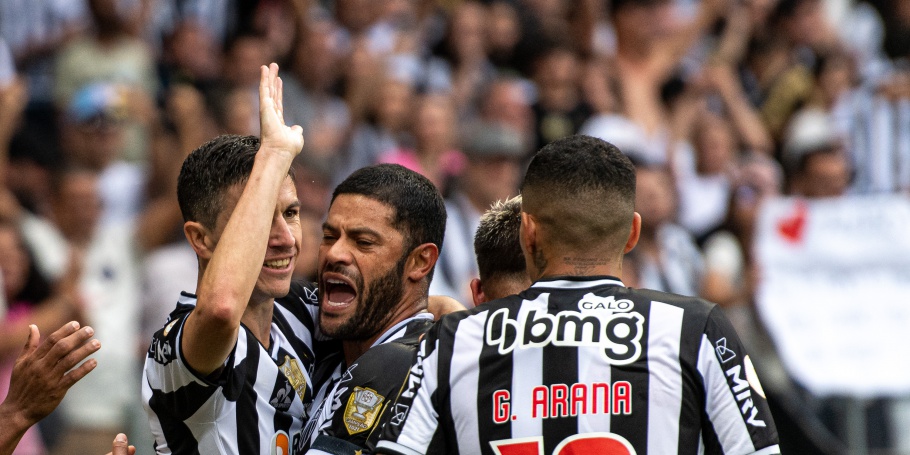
point(274, 133)
point(41, 376)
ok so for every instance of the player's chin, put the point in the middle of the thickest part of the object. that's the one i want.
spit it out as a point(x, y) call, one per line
point(276, 288)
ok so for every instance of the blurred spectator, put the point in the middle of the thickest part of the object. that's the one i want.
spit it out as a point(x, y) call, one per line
point(504, 34)
point(815, 157)
point(117, 58)
point(507, 101)
point(465, 46)
point(560, 110)
point(31, 300)
point(667, 258)
point(93, 134)
point(651, 40)
point(309, 97)
point(386, 127)
point(190, 55)
point(109, 287)
point(435, 153)
point(492, 172)
point(34, 32)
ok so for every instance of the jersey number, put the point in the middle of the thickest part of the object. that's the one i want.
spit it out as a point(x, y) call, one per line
point(580, 444)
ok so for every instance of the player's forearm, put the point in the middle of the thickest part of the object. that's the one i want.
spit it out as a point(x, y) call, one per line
point(14, 426)
point(231, 274)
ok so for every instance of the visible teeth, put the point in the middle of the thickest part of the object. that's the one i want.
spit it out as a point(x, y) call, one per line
point(277, 264)
point(335, 281)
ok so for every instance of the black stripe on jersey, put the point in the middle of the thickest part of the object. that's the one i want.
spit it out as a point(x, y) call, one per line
point(494, 372)
point(561, 368)
point(284, 392)
point(693, 387)
point(442, 396)
point(633, 426)
point(247, 414)
point(709, 437)
point(191, 397)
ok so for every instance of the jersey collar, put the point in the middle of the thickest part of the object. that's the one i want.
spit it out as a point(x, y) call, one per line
point(576, 282)
point(398, 330)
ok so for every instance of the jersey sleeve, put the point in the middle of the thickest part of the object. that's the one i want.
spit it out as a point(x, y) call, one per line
point(735, 403)
point(176, 388)
point(414, 417)
point(351, 419)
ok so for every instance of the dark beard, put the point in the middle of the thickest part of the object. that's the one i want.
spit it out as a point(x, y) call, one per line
point(375, 306)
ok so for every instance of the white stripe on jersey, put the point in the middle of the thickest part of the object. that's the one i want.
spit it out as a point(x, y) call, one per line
point(773, 450)
point(568, 284)
point(665, 388)
point(526, 377)
point(721, 405)
point(468, 339)
point(299, 329)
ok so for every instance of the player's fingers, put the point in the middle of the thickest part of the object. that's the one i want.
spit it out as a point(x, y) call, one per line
point(263, 86)
point(131, 450)
point(31, 343)
point(51, 341)
point(279, 96)
point(63, 347)
point(297, 129)
point(76, 355)
point(120, 446)
point(78, 373)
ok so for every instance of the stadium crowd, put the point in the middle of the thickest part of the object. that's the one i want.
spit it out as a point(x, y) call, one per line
point(720, 104)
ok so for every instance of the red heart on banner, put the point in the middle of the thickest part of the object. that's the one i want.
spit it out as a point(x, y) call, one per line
point(792, 228)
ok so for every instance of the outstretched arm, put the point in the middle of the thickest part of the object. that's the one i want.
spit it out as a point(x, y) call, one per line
point(227, 283)
point(41, 378)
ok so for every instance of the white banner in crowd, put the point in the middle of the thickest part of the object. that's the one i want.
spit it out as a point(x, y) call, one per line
point(835, 291)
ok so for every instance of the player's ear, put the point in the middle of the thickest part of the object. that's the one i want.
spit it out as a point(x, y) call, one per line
point(634, 233)
point(421, 261)
point(477, 292)
point(200, 238)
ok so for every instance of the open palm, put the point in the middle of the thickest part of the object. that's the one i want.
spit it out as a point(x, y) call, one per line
point(274, 134)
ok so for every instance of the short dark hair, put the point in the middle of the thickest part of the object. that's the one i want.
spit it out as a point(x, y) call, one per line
point(420, 213)
point(497, 242)
point(581, 190)
point(210, 170)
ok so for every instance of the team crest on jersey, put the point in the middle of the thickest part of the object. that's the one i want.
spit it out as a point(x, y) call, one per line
point(362, 409)
point(291, 369)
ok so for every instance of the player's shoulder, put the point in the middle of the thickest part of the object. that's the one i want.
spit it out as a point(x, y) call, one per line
point(302, 301)
point(649, 295)
point(163, 349)
point(300, 292)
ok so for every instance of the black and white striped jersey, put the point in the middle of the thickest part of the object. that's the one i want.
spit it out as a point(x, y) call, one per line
point(256, 404)
point(348, 420)
point(582, 366)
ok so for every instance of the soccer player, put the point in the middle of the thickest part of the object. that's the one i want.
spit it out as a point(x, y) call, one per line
point(500, 262)
point(579, 363)
point(381, 239)
point(230, 372)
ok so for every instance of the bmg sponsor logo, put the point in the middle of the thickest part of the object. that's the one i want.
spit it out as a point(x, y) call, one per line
point(602, 321)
